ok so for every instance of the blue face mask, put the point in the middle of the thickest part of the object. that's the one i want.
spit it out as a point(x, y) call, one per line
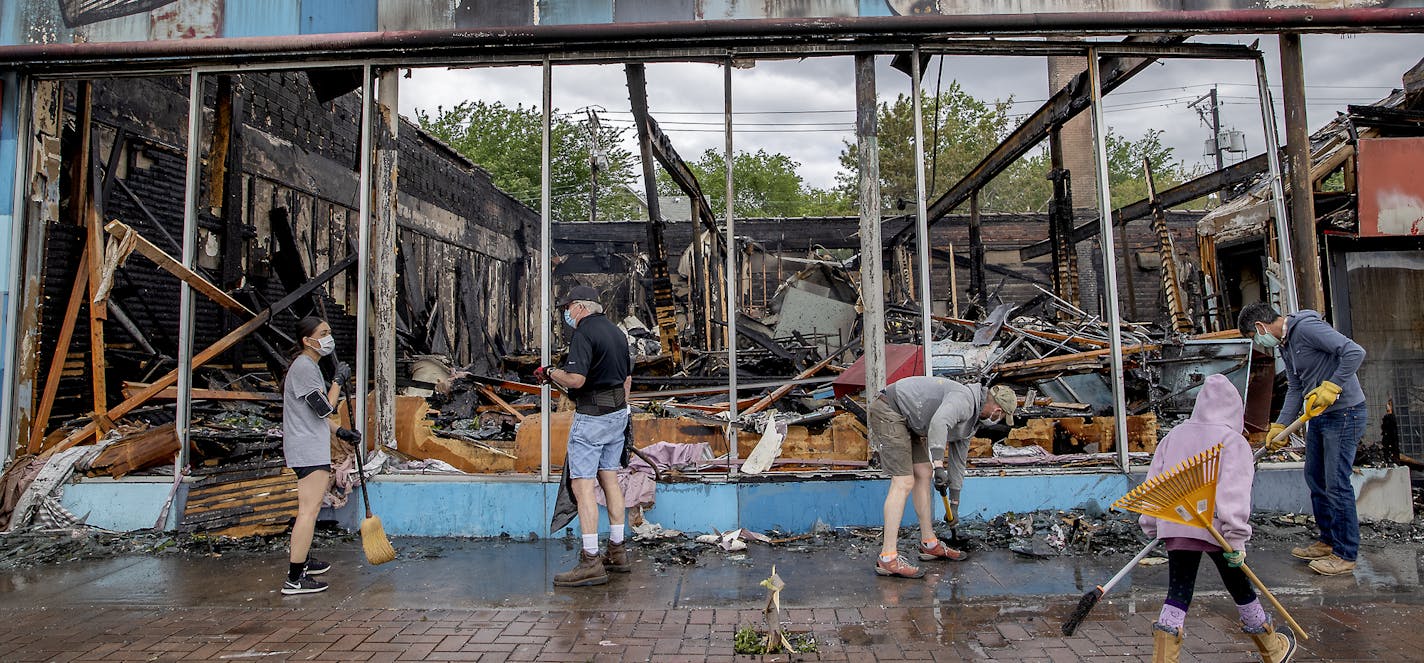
point(569, 319)
point(1266, 339)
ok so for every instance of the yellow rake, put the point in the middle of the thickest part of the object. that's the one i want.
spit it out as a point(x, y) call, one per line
point(1186, 494)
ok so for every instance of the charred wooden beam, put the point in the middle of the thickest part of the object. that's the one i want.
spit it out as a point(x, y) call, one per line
point(1064, 105)
point(658, 281)
point(211, 351)
point(1060, 224)
point(1182, 193)
point(1171, 283)
point(172, 266)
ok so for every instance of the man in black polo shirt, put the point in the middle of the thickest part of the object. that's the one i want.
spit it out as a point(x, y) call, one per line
point(598, 375)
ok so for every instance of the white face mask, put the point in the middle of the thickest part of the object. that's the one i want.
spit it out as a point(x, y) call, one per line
point(326, 345)
point(991, 421)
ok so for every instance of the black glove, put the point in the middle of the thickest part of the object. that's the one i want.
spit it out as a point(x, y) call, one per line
point(541, 375)
point(941, 479)
point(349, 436)
point(627, 454)
point(342, 374)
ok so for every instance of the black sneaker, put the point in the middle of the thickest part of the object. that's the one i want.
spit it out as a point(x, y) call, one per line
point(303, 585)
point(316, 567)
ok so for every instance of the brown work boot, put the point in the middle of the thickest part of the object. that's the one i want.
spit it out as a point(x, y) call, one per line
point(898, 568)
point(1332, 565)
point(589, 571)
point(941, 551)
point(1274, 647)
point(616, 559)
point(1166, 644)
point(1314, 551)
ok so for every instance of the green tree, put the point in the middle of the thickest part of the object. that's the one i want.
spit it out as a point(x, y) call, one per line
point(507, 142)
point(1125, 176)
point(764, 185)
point(968, 129)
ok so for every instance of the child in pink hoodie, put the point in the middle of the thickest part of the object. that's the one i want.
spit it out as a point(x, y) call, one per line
point(1217, 418)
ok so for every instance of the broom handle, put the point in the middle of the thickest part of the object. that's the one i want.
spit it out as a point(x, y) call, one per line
point(1226, 547)
point(1107, 587)
point(360, 451)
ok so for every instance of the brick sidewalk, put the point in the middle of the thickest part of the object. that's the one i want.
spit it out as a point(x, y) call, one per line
point(1001, 632)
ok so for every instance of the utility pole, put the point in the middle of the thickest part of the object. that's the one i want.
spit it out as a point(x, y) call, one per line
point(1304, 246)
point(595, 152)
point(1214, 123)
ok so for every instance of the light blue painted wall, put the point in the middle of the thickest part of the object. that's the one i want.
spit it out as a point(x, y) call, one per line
point(117, 505)
point(321, 16)
point(520, 508)
point(9, 141)
point(261, 18)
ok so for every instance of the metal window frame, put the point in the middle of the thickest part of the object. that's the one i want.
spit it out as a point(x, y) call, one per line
point(927, 44)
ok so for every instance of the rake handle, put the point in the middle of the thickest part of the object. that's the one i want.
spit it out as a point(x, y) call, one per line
point(1226, 547)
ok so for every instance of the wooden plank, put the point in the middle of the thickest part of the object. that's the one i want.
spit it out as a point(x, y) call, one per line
point(336, 225)
point(167, 263)
point(786, 388)
point(85, 175)
point(503, 404)
point(61, 352)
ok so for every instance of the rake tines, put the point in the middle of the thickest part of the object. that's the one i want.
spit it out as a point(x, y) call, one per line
point(1186, 494)
point(1181, 493)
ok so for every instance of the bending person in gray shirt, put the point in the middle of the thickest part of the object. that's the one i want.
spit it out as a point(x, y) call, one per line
point(911, 422)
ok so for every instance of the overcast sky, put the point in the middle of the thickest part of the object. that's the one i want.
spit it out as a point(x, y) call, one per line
point(805, 108)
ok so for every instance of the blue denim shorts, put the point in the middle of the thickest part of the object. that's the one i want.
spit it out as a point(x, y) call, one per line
point(596, 443)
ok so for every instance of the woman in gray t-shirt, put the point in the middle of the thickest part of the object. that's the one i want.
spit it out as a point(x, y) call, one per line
point(307, 426)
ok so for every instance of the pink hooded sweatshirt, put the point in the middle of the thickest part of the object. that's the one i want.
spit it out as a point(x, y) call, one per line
point(1217, 418)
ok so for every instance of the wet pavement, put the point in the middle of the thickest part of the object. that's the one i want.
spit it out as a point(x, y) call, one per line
point(492, 600)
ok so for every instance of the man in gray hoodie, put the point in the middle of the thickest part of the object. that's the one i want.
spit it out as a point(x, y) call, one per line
point(911, 422)
point(1320, 379)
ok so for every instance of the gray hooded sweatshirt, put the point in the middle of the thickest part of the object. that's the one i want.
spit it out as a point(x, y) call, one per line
point(1313, 351)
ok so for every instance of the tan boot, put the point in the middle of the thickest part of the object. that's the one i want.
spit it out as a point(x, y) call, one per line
point(1331, 565)
point(1166, 645)
point(589, 571)
point(1313, 551)
point(1275, 647)
point(616, 559)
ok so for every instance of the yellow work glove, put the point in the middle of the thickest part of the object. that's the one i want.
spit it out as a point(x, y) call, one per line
point(1273, 444)
point(1320, 398)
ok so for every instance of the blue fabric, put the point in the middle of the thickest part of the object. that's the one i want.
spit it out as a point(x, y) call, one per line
point(596, 443)
point(1312, 352)
point(1330, 444)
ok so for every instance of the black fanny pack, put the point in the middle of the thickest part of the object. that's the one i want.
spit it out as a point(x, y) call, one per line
point(600, 401)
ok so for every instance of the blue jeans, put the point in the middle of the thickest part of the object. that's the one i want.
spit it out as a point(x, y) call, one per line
point(1330, 444)
point(596, 444)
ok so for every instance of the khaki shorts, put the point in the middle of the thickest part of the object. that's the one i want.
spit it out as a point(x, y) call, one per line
point(900, 449)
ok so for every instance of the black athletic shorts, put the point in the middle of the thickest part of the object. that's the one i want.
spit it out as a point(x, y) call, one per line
point(304, 472)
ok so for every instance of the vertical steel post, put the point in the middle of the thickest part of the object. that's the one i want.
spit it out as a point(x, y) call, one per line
point(183, 409)
point(1290, 302)
point(732, 297)
point(1109, 285)
point(922, 227)
point(23, 116)
point(363, 248)
point(546, 273)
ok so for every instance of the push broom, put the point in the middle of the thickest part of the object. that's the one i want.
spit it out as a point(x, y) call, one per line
point(373, 535)
point(1187, 495)
point(1091, 597)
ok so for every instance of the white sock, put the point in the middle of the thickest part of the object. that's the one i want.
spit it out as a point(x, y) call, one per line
point(590, 544)
point(615, 534)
